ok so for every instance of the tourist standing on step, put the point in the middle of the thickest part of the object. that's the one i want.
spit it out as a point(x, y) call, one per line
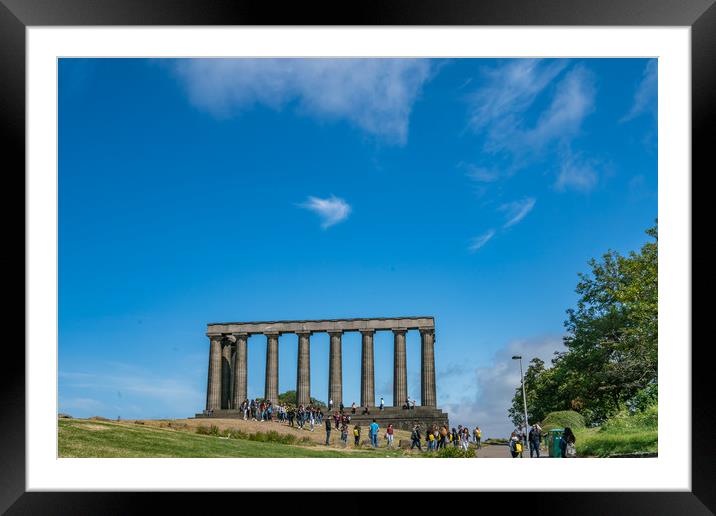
point(353, 407)
point(389, 435)
point(382, 403)
point(374, 428)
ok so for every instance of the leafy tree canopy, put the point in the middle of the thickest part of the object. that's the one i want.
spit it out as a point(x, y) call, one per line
point(612, 335)
point(289, 398)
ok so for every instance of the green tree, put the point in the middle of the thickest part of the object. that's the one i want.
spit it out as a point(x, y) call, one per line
point(611, 341)
point(289, 398)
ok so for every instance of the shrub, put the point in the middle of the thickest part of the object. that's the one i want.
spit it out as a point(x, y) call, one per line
point(647, 419)
point(644, 399)
point(64, 416)
point(563, 419)
point(212, 430)
point(451, 452)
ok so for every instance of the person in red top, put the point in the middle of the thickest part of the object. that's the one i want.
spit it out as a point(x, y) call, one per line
point(389, 435)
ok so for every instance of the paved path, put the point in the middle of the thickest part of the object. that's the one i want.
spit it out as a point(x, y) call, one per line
point(502, 452)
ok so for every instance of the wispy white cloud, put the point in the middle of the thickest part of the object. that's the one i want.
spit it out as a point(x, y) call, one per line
point(577, 174)
point(505, 110)
point(509, 90)
point(500, 107)
point(479, 174)
point(479, 241)
point(331, 210)
point(375, 95)
point(572, 102)
point(517, 210)
point(646, 93)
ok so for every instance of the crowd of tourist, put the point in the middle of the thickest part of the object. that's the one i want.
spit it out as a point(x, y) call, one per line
point(438, 437)
point(339, 420)
point(435, 437)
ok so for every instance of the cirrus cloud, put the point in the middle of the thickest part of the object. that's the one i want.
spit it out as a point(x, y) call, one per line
point(331, 210)
point(375, 95)
point(517, 210)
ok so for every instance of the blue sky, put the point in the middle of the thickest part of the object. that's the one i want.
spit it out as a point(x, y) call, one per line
point(473, 190)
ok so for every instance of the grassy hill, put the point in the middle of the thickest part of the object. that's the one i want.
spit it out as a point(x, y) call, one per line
point(623, 434)
point(94, 438)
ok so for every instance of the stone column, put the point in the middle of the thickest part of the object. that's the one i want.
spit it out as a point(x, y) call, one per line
point(271, 392)
point(400, 369)
point(428, 396)
point(335, 369)
point(367, 371)
point(240, 376)
point(226, 375)
point(213, 388)
point(303, 376)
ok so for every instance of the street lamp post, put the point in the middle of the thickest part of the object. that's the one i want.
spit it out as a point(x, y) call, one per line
point(524, 395)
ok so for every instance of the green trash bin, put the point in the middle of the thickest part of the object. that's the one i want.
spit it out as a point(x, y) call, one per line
point(553, 438)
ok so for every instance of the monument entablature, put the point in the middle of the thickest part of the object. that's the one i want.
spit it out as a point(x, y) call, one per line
point(323, 326)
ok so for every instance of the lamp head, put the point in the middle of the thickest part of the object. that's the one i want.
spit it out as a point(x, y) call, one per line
point(517, 357)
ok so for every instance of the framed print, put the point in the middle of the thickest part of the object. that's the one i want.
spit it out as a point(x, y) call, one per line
point(258, 243)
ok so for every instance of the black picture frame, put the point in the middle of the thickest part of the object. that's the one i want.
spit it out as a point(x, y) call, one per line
point(17, 15)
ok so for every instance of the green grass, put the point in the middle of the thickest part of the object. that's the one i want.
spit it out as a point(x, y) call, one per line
point(86, 438)
point(621, 434)
point(595, 443)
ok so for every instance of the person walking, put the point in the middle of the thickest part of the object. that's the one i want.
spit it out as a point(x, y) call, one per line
point(374, 428)
point(477, 435)
point(344, 434)
point(328, 431)
point(415, 438)
point(465, 439)
point(356, 435)
point(535, 438)
point(567, 444)
point(389, 435)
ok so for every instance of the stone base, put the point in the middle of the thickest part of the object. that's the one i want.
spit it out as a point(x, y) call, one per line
point(403, 419)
